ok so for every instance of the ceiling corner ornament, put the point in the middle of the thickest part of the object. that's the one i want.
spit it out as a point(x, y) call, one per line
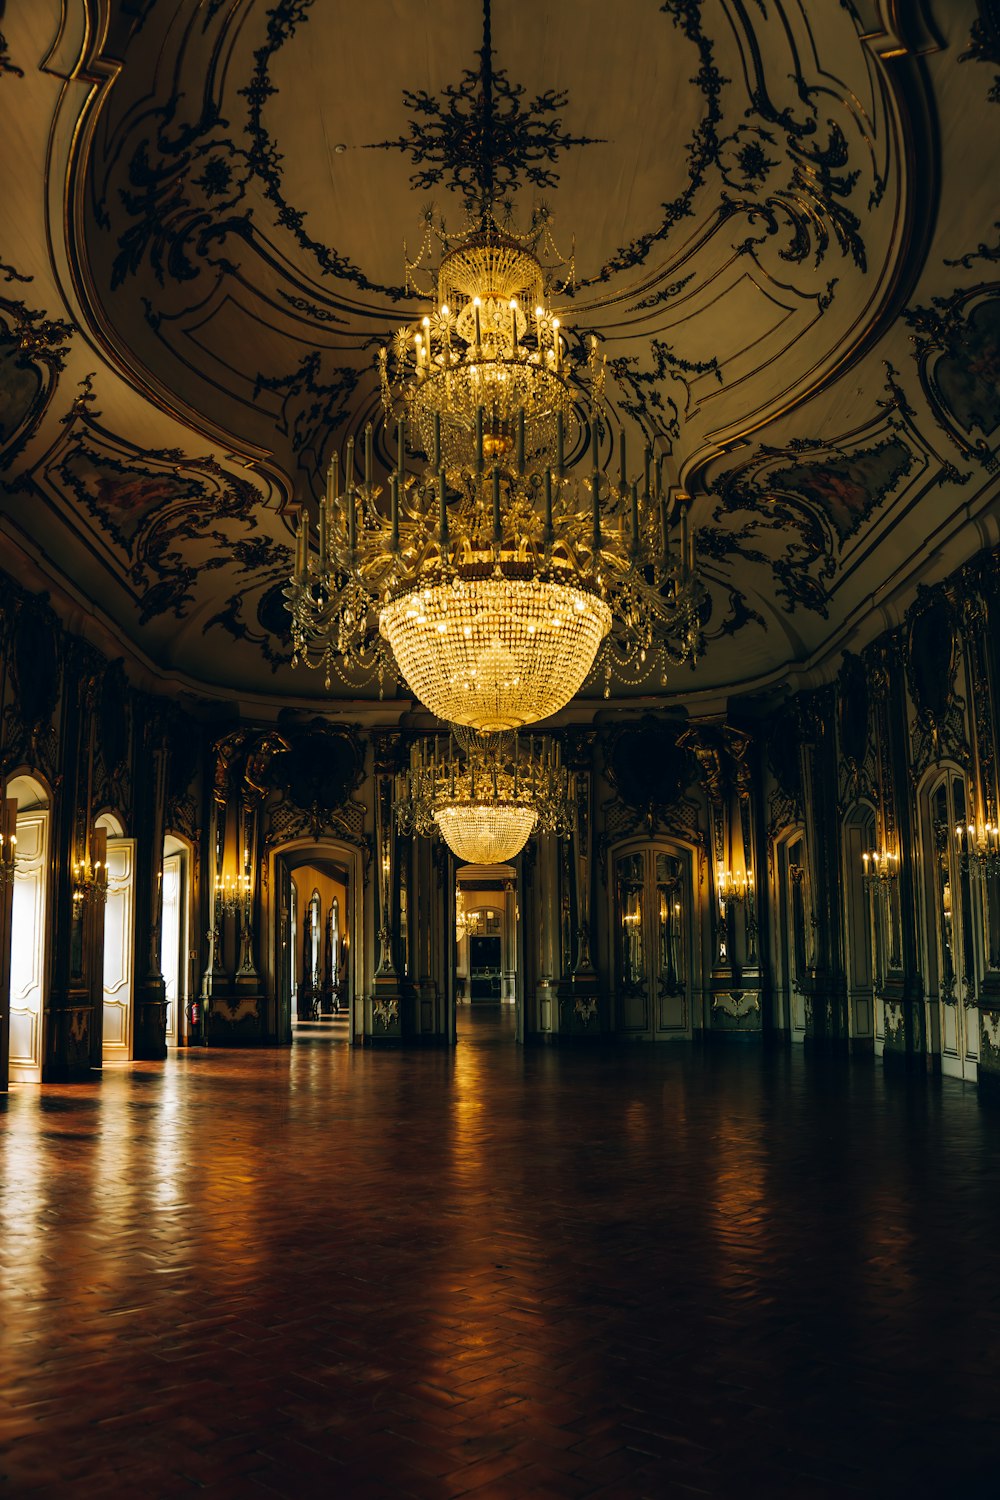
point(491, 581)
point(484, 794)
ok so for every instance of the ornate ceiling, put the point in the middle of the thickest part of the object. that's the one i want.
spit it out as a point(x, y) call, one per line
point(782, 220)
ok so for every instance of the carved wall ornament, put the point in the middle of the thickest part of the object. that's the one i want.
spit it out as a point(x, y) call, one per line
point(385, 1012)
point(932, 647)
point(647, 768)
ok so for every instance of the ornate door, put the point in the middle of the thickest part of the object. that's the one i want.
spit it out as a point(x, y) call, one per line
point(653, 941)
point(27, 958)
point(118, 951)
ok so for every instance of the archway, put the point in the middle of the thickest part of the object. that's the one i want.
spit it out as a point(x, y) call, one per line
point(316, 954)
point(29, 922)
point(487, 982)
point(119, 942)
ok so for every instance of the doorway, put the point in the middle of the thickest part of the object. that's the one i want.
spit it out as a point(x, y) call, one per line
point(119, 942)
point(313, 957)
point(952, 927)
point(174, 935)
point(657, 969)
point(487, 980)
point(28, 928)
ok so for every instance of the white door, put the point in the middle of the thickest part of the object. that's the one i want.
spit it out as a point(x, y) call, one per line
point(118, 951)
point(27, 956)
point(172, 940)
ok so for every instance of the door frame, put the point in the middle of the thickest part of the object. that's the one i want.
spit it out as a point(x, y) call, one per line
point(359, 979)
point(692, 854)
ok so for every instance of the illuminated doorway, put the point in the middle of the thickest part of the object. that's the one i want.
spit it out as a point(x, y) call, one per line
point(174, 935)
point(119, 943)
point(313, 954)
point(28, 929)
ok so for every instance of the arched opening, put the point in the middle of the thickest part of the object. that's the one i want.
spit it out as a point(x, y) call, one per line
point(119, 942)
point(952, 925)
point(313, 956)
point(29, 918)
point(792, 929)
point(486, 973)
point(175, 927)
point(657, 949)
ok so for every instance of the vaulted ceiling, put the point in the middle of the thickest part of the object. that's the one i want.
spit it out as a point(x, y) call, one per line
point(782, 222)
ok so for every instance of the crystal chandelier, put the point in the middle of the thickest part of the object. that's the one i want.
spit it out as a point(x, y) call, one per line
point(484, 794)
point(486, 573)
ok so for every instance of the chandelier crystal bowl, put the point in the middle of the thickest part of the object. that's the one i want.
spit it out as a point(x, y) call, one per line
point(495, 653)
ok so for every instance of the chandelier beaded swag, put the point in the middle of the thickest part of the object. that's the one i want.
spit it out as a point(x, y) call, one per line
point(486, 573)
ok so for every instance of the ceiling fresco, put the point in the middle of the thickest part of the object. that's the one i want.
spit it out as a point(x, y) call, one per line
point(777, 220)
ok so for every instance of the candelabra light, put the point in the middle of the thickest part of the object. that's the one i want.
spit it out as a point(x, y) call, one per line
point(90, 883)
point(978, 847)
point(468, 923)
point(232, 894)
point(8, 860)
point(484, 794)
point(879, 869)
point(732, 887)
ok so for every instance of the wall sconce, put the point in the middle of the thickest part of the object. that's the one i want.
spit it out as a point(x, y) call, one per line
point(90, 883)
point(733, 887)
point(879, 869)
point(232, 894)
point(978, 847)
point(8, 860)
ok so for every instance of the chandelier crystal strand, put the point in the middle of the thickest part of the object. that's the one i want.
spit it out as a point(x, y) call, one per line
point(484, 794)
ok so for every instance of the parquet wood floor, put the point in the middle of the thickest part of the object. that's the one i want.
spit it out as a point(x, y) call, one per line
point(499, 1273)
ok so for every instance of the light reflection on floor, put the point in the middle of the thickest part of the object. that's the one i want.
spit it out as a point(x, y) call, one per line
point(498, 1271)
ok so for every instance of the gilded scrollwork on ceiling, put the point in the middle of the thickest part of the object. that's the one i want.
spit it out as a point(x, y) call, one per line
point(33, 350)
point(956, 343)
point(259, 208)
point(731, 183)
point(163, 520)
point(984, 43)
point(812, 510)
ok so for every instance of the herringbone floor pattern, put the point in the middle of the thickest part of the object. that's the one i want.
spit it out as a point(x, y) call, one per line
point(653, 1272)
